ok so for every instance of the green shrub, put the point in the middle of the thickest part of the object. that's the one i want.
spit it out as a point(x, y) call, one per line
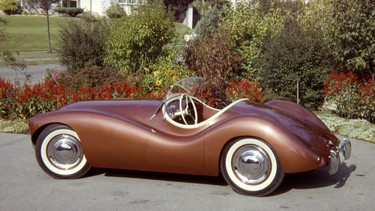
point(115, 11)
point(8, 6)
point(138, 40)
point(163, 73)
point(249, 25)
point(352, 35)
point(82, 42)
point(71, 11)
point(295, 56)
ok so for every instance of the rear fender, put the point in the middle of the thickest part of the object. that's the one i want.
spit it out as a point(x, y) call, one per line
point(294, 156)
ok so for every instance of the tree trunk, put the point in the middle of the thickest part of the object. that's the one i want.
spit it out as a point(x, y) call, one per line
point(49, 34)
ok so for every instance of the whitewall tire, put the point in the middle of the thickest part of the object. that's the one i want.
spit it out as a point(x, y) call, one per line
point(59, 152)
point(251, 167)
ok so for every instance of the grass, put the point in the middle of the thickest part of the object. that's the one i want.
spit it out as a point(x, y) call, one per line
point(28, 36)
point(29, 33)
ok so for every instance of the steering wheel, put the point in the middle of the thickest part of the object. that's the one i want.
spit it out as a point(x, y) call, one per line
point(184, 108)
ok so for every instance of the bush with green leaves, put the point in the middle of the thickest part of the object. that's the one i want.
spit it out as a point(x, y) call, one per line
point(71, 11)
point(250, 24)
point(115, 11)
point(82, 42)
point(297, 56)
point(352, 36)
point(163, 73)
point(139, 39)
point(8, 6)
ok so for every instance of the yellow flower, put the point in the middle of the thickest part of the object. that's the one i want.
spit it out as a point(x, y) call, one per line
point(146, 70)
point(174, 79)
point(169, 72)
point(156, 73)
point(158, 82)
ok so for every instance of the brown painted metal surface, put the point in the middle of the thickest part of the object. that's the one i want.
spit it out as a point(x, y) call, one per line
point(120, 134)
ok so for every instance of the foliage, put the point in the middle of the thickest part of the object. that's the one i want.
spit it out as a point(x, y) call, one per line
point(245, 89)
point(49, 95)
point(354, 128)
point(354, 96)
point(24, 102)
point(89, 76)
point(214, 58)
point(295, 55)
point(82, 42)
point(178, 7)
point(138, 40)
point(43, 4)
point(352, 38)
point(71, 11)
point(7, 55)
point(10, 7)
point(250, 24)
point(115, 11)
point(163, 73)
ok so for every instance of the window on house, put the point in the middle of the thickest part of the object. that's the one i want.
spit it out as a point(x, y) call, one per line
point(131, 1)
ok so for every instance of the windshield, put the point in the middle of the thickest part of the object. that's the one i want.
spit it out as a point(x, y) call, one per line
point(188, 86)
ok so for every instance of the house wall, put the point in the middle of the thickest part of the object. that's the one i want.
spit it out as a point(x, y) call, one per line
point(97, 7)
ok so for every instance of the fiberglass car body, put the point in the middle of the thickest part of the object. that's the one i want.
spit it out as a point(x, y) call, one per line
point(253, 145)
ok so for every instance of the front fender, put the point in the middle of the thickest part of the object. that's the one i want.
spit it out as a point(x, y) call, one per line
point(105, 139)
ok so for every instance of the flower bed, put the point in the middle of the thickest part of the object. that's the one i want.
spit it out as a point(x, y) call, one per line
point(353, 96)
point(49, 95)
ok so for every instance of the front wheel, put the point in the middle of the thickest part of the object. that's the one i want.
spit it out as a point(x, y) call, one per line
point(251, 167)
point(59, 153)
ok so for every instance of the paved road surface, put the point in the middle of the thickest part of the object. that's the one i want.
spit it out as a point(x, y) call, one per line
point(36, 71)
point(24, 186)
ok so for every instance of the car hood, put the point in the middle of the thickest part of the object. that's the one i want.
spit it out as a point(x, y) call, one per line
point(137, 110)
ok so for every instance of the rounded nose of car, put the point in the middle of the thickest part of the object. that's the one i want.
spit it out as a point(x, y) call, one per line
point(343, 152)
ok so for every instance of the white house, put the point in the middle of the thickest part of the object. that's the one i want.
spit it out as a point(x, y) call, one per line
point(98, 7)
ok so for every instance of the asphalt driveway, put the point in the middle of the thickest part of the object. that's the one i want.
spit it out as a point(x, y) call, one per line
point(37, 72)
point(24, 186)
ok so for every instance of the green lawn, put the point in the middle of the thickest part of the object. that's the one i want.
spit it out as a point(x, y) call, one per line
point(29, 33)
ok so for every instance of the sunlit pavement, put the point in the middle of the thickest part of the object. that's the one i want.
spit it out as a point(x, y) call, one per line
point(24, 186)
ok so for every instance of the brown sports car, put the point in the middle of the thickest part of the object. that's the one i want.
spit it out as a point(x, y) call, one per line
point(252, 145)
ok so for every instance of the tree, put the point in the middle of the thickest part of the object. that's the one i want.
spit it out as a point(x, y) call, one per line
point(45, 6)
point(8, 6)
point(8, 57)
point(139, 39)
point(250, 23)
point(82, 43)
point(352, 37)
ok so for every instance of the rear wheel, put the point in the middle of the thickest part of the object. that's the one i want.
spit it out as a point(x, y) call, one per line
point(59, 152)
point(251, 167)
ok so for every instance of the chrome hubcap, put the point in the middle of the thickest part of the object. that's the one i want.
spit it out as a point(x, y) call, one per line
point(64, 152)
point(251, 164)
